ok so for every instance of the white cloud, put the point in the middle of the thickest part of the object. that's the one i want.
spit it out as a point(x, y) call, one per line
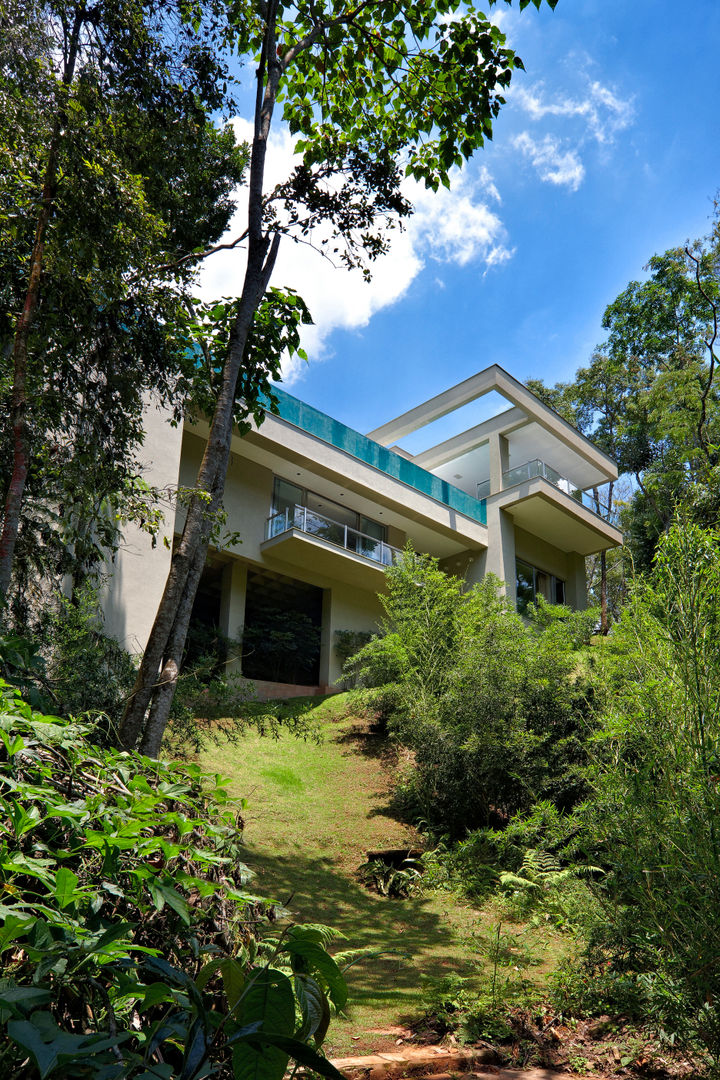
point(450, 227)
point(600, 112)
point(603, 112)
point(553, 163)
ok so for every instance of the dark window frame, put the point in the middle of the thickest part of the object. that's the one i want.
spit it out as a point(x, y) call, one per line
point(556, 586)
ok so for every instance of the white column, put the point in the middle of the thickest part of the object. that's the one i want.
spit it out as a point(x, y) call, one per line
point(328, 662)
point(500, 559)
point(232, 606)
point(499, 461)
point(576, 584)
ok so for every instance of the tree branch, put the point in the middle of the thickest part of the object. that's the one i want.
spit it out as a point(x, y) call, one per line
point(702, 437)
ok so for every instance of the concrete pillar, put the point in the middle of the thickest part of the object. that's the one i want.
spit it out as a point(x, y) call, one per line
point(500, 559)
point(327, 658)
point(499, 461)
point(475, 569)
point(232, 606)
point(576, 584)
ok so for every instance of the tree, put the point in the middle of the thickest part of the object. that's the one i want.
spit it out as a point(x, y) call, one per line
point(649, 396)
point(491, 708)
point(111, 171)
point(370, 90)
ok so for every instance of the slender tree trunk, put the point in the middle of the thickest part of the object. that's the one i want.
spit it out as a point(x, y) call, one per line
point(19, 403)
point(167, 637)
point(603, 593)
point(167, 683)
point(604, 623)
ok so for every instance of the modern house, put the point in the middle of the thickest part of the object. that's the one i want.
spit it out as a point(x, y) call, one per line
point(320, 510)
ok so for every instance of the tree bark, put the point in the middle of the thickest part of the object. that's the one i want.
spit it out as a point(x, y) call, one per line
point(603, 593)
point(167, 683)
point(19, 403)
point(167, 637)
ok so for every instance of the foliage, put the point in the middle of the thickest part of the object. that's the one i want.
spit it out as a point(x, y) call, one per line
point(542, 888)
point(349, 642)
point(391, 880)
point(132, 946)
point(651, 821)
point(493, 710)
point(454, 1005)
point(280, 645)
point(23, 666)
point(649, 396)
point(89, 672)
point(115, 171)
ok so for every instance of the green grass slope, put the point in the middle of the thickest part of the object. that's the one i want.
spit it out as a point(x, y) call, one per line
point(314, 809)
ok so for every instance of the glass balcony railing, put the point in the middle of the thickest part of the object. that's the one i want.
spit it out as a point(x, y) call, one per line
point(531, 469)
point(309, 521)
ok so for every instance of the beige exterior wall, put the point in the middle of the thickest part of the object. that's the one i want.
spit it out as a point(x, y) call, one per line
point(346, 609)
point(248, 494)
point(138, 574)
point(543, 556)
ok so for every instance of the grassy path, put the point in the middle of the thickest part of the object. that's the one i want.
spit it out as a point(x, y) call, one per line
point(313, 811)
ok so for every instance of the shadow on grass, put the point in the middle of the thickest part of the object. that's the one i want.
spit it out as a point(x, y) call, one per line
point(412, 938)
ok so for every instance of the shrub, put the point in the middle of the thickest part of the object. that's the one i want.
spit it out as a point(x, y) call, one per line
point(652, 819)
point(131, 945)
point(495, 711)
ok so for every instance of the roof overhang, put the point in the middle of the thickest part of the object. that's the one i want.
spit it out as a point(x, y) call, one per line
point(524, 408)
point(541, 509)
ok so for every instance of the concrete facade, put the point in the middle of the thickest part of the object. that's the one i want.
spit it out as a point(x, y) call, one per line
point(504, 494)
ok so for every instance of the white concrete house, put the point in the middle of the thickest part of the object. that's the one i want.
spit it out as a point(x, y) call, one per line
point(321, 509)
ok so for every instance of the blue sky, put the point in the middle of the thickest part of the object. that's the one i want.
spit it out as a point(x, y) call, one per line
point(607, 151)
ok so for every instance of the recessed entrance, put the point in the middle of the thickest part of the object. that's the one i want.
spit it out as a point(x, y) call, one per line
point(281, 636)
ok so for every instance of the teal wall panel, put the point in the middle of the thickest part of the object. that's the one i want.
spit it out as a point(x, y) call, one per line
point(352, 442)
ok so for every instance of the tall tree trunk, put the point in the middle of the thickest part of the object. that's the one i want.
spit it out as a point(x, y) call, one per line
point(167, 637)
point(167, 682)
point(18, 402)
point(604, 622)
point(603, 593)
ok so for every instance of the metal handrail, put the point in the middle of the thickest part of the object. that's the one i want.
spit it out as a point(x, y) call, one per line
point(386, 554)
point(537, 468)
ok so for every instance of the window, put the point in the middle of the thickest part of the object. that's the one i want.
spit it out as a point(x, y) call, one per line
point(531, 583)
point(324, 514)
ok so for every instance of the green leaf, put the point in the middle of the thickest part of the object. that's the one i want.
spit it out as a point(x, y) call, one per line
point(24, 997)
point(268, 1001)
point(65, 886)
point(234, 980)
point(49, 1046)
point(309, 956)
point(314, 1009)
point(265, 1042)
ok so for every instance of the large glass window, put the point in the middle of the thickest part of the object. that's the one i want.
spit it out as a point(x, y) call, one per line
point(530, 582)
point(325, 518)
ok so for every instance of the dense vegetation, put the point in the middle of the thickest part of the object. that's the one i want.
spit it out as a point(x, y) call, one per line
point(592, 772)
point(493, 710)
point(131, 944)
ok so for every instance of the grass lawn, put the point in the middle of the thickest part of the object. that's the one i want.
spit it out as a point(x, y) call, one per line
point(314, 809)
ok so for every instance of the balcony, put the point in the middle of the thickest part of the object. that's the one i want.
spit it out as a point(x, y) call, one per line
point(530, 470)
point(300, 519)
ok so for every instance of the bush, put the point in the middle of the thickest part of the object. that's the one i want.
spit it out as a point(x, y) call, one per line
point(494, 710)
point(131, 945)
point(652, 819)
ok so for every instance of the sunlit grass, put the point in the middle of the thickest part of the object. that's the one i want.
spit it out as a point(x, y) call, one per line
point(314, 808)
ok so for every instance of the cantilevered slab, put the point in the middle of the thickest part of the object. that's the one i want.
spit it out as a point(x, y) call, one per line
point(505, 422)
point(496, 378)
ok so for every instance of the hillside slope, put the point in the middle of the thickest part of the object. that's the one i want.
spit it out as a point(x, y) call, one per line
point(314, 809)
